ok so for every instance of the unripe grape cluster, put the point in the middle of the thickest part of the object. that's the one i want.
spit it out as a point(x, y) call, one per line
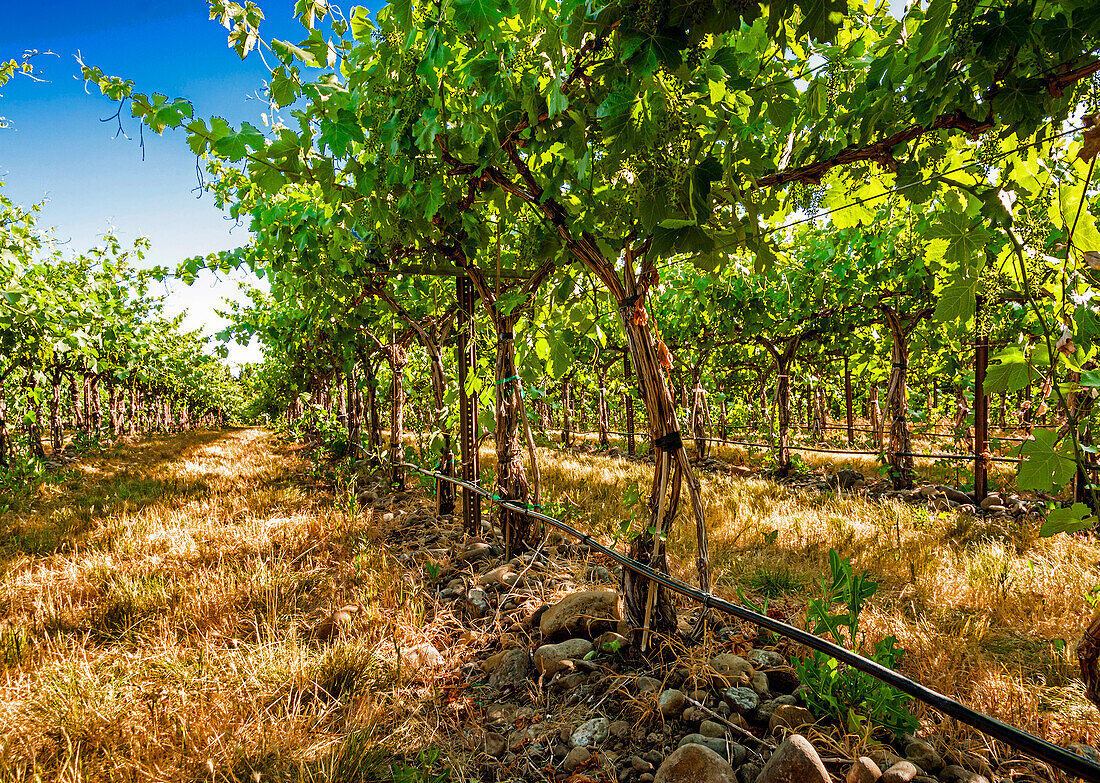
point(962, 27)
point(806, 197)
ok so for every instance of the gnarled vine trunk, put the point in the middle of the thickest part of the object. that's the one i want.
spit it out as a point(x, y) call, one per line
point(899, 448)
point(57, 436)
point(783, 360)
point(602, 422)
point(700, 417)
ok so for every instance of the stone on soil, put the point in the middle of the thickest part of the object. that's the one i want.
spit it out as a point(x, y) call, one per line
point(477, 603)
point(765, 659)
point(591, 732)
point(743, 701)
point(923, 755)
point(790, 716)
point(671, 702)
point(863, 770)
point(692, 763)
point(512, 672)
point(783, 679)
point(709, 728)
point(575, 758)
point(553, 658)
point(956, 774)
point(794, 761)
point(331, 626)
point(901, 772)
point(731, 670)
point(495, 744)
point(588, 613)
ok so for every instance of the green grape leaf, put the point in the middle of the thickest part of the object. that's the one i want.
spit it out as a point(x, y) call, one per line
point(1047, 464)
point(1067, 520)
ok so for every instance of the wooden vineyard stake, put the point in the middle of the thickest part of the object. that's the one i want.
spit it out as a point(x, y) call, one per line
point(651, 598)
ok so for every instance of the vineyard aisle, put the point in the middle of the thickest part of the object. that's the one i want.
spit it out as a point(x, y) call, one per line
point(158, 606)
point(215, 606)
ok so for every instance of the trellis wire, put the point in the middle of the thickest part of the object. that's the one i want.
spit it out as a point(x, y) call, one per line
point(1048, 752)
point(817, 450)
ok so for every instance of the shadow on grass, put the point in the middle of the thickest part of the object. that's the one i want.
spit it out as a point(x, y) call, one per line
point(58, 514)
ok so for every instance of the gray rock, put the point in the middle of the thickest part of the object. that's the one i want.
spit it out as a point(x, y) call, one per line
point(863, 770)
point(640, 765)
point(648, 684)
point(760, 684)
point(731, 670)
point(671, 702)
point(743, 701)
point(923, 755)
point(954, 495)
point(512, 672)
point(695, 763)
point(646, 777)
point(956, 774)
point(553, 658)
point(600, 574)
point(476, 551)
point(901, 772)
point(718, 745)
point(495, 744)
point(846, 479)
point(591, 732)
point(709, 728)
point(794, 761)
point(577, 757)
point(654, 757)
point(620, 729)
point(588, 614)
point(765, 659)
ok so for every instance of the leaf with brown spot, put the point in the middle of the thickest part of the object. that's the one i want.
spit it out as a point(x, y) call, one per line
point(1090, 145)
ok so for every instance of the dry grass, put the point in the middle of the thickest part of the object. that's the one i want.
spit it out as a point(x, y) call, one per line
point(156, 607)
point(987, 611)
point(156, 611)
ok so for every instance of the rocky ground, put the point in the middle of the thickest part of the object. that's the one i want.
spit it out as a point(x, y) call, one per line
point(561, 691)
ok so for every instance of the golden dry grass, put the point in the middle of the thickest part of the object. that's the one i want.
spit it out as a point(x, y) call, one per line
point(156, 612)
point(987, 611)
point(156, 607)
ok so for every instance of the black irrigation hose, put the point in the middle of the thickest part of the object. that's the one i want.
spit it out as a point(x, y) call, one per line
point(1055, 755)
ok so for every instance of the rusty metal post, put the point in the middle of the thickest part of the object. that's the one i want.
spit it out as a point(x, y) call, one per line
point(467, 407)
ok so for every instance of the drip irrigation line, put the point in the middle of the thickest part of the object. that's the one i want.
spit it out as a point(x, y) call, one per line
point(1048, 752)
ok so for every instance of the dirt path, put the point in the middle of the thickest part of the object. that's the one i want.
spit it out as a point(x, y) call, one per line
point(157, 611)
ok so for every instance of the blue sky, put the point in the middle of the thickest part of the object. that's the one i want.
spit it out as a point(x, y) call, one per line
point(58, 149)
